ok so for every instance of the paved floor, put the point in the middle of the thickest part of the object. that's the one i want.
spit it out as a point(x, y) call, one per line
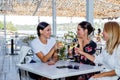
point(8, 69)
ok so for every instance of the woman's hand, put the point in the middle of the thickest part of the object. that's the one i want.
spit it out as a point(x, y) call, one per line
point(79, 51)
point(105, 74)
point(98, 75)
point(88, 56)
point(60, 45)
point(51, 62)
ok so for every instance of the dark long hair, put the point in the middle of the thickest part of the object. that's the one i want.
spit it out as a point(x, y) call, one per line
point(41, 26)
point(86, 25)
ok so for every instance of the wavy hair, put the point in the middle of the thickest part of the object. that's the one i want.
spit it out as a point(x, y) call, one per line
point(113, 31)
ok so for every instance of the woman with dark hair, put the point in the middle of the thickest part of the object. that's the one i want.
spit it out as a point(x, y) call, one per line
point(44, 46)
point(86, 44)
point(110, 56)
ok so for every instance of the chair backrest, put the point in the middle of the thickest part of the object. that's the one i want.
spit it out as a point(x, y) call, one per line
point(98, 50)
point(23, 53)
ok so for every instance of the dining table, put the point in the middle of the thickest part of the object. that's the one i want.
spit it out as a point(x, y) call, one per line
point(62, 69)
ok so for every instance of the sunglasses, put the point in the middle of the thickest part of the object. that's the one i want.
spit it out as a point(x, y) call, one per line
point(69, 67)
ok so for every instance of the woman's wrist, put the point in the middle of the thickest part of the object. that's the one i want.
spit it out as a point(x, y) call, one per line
point(54, 48)
point(82, 53)
point(54, 60)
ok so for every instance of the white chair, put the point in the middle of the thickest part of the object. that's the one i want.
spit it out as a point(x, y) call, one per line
point(24, 51)
point(100, 46)
point(25, 57)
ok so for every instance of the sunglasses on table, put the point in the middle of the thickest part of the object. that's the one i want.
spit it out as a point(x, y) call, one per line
point(69, 67)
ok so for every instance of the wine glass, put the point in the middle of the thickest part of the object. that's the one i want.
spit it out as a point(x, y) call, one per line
point(75, 54)
point(61, 50)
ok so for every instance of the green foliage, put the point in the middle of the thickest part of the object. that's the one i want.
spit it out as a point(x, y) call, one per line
point(9, 26)
point(26, 27)
point(67, 26)
point(70, 34)
point(62, 53)
point(1, 25)
point(28, 38)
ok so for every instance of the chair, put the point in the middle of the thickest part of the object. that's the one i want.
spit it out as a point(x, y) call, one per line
point(98, 50)
point(25, 52)
point(25, 57)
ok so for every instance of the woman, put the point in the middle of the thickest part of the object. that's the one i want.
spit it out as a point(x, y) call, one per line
point(110, 56)
point(87, 45)
point(84, 30)
point(44, 46)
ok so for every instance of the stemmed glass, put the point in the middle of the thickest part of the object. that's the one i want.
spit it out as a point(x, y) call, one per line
point(74, 55)
point(71, 50)
point(58, 51)
point(70, 54)
point(61, 50)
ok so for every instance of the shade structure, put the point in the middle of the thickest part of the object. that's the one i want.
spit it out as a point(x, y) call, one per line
point(66, 8)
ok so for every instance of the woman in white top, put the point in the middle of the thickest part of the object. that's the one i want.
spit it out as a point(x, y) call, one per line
point(110, 56)
point(44, 46)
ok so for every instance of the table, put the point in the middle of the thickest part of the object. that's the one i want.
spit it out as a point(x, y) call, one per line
point(51, 72)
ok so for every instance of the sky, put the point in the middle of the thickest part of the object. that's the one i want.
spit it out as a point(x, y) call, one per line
point(32, 20)
point(20, 19)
